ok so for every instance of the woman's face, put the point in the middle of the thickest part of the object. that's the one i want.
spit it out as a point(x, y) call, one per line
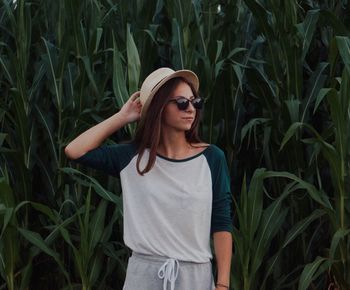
point(175, 119)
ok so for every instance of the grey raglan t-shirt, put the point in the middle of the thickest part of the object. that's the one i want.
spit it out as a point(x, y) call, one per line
point(174, 208)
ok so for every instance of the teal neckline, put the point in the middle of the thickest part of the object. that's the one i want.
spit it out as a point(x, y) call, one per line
point(185, 159)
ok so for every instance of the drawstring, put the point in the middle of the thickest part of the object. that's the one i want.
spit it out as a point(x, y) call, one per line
point(168, 273)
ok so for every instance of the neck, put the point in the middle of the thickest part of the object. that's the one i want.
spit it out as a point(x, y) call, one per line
point(173, 144)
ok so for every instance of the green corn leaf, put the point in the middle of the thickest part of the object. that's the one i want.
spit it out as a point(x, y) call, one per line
point(95, 184)
point(110, 251)
point(53, 73)
point(242, 209)
point(45, 210)
point(315, 85)
point(271, 222)
point(239, 74)
point(329, 151)
point(6, 196)
point(6, 69)
point(343, 95)
point(299, 227)
point(219, 45)
point(219, 67)
point(10, 257)
point(49, 178)
point(38, 79)
point(261, 17)
point(20, 205)
point(255, 202)
point(134, 65)
point(44, 121)
point(38, 241)
point(290, 132)
point(293, 109)
point(106, 235)
point(272, 218)
point(247, 128)
point(96, 267)
point(87, 65)
point(270, 265)
point(265, 78)
point(335, 22)
point(344, 50)
point(96, 226)
point(317, 195)
point(87, 209)
point(7, 218)
point(118, 79)
point(99, 32)
point(320, 96)
point(26, 274)
point(308, 274)
point(66, 236)
point(177, 45)
point(242, 254)
point(235, 51)
point(339, 235)
point(307, 29)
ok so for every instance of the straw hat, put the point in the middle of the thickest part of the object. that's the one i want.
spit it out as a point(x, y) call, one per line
point(159, 77)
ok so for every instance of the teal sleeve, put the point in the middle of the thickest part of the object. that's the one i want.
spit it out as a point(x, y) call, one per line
point(221, 219)
point(110, 159)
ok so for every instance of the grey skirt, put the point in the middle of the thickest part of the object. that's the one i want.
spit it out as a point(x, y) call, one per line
point(145, 272)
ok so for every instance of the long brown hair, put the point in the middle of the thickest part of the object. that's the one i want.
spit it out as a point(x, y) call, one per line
point(149, 130)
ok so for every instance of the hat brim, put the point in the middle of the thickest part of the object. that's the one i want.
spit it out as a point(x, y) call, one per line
point(188, 75)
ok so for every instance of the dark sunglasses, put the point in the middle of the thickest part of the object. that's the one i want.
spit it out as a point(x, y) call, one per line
point(183, 103)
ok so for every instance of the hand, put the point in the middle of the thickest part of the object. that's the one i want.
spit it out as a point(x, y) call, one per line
point(131, 110)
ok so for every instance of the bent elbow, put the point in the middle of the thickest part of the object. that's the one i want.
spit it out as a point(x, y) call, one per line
point(71, 154)
point(68, 152)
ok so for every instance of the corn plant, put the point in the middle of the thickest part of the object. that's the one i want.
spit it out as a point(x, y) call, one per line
point(274, 76)
point(9, 251)
point(259, 225)
point(337, 155)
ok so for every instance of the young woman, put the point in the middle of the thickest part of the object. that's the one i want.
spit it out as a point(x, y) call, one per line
point(176, 191)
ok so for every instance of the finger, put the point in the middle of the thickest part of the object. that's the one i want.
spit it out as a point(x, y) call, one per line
point(135, 96)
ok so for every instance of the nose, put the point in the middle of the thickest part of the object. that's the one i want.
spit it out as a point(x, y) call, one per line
point(190, 107)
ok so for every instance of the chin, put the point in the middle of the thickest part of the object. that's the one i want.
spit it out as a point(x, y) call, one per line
point(184, 128)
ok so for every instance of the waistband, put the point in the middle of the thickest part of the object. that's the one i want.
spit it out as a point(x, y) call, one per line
point(169, 268)
point(160, 259)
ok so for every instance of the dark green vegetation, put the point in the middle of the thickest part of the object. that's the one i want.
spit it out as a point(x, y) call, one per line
point(276, 79)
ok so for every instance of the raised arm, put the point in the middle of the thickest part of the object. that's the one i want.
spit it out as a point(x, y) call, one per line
point(93, 137)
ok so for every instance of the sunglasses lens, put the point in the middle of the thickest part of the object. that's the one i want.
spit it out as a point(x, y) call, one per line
point(197, 103)
point(182, 103)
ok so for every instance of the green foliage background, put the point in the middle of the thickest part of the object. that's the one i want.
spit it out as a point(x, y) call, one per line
point(275, 76)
